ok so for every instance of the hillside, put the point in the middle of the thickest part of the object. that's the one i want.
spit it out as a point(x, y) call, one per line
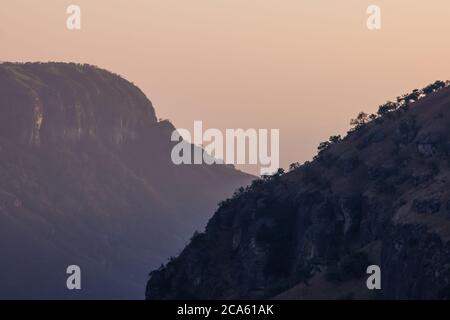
point(378, 196)
point(86, 178)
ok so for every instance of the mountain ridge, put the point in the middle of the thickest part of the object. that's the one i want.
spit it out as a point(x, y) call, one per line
point(377, 196)
point(86, 178)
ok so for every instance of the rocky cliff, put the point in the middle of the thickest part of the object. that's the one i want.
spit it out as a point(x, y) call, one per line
point(86, 178)
point(380, 196)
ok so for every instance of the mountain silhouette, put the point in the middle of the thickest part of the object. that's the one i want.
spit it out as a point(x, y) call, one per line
point(86, 179)
point(378, 197)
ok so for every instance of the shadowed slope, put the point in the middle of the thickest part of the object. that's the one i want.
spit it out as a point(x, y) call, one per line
point(379, 196)
point(86, 178)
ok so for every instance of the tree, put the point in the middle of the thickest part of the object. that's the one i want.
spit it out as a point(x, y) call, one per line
point(326, 144)
point(434, 87)
point(413, 96)
point(294, 166)
point(361, 119)
point(335, 138)
point(386, 108)
point(323, 146)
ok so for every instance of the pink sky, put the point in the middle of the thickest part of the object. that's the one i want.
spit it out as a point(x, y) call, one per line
point(304, 67)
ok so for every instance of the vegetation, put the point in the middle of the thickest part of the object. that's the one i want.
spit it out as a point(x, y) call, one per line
point(294, 166)
point(326, 144)
point(360, 121)
point(350, 267)
point(402, 102)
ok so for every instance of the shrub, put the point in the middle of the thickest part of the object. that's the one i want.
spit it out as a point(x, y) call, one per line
point(294, 166)
point(386, 108)
point(361, 119)
point(352, 266)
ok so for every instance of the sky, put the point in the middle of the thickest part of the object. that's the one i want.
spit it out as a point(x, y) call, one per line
point(304, 67)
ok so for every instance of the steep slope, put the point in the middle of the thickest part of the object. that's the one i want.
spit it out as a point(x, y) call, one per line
point(86, 178)
point(379, 196)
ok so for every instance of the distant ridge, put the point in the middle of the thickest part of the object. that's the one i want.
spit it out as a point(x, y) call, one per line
point(86, 179)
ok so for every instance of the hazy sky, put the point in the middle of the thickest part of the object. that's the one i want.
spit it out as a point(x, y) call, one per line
point(303, 66)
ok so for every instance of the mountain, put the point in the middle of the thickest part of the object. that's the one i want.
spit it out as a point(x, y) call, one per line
point(380, 196)
point(86, 179)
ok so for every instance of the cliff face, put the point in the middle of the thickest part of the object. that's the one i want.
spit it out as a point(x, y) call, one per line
point(51, 103)
point(86, 178)
point(379, 196)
